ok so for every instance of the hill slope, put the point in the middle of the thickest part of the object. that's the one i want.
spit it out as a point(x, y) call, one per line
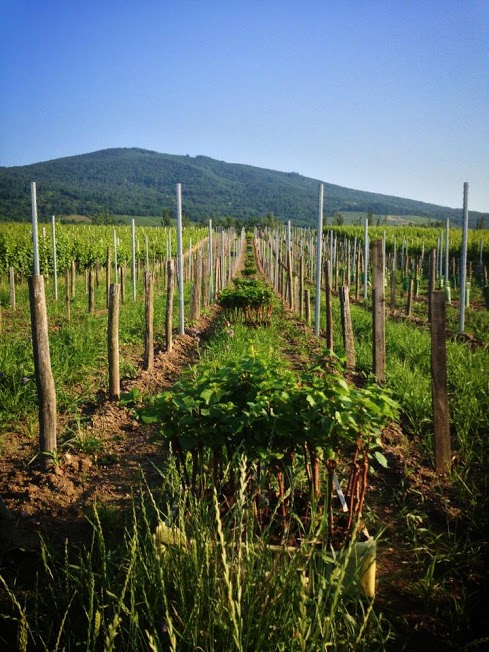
point(141, 182)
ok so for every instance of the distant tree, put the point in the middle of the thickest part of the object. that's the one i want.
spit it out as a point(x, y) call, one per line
point(269, 220)
point(481, 223)
point(339, 219)
point(370, 218)
point(166, 219)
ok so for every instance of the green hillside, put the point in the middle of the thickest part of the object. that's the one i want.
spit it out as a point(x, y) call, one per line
point(141, 182)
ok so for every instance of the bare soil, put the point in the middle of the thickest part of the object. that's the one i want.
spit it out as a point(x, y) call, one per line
point(57, 502)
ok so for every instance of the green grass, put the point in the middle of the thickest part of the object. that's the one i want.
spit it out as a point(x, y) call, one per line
point(213, 588)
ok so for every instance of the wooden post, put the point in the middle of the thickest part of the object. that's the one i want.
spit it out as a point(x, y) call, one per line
point(91, 292)
point(73, 279)
point(329, 307)
point(378, 312)
point(122, 274)
point(148, 364)
point(169, 305)
point(44, 377)
point(347, 327)
point(290, 280)
point(301, 287)
point(113, 343)
point(197, 289)
point(11, 276)
point(409, 304)
point(307, 300)
point(441, 424)
point(67, 294)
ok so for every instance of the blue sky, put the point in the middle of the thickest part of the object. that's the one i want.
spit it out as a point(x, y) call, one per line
point(387, 96)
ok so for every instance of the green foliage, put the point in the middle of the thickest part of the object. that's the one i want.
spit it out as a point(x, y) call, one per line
point(141, 182)
point(85, 244)
point(257, 405)
point(249, 298)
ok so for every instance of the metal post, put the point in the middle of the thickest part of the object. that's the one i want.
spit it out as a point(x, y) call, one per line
point(319, 243)
point(463, 260)
point(181, 316)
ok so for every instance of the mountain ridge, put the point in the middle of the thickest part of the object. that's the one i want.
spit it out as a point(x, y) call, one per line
point(136, 181)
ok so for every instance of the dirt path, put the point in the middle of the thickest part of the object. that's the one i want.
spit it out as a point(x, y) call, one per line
point(57, 502)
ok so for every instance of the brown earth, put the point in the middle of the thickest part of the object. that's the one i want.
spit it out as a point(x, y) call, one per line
point(57, 502)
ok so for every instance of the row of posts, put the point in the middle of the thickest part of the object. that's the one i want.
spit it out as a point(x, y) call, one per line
point(216, 269)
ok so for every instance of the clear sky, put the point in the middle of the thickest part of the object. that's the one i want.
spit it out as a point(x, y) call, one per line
point(389, 96)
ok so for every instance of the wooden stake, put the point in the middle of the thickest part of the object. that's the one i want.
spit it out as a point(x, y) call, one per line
point(67, 294)
point(73, 279)
point(307, 300)
point(301, 287)
point(347, 327)
point(148, 364)
point(169, 305)
point(329, 307)
point(91, 292)
point(409, 304)
point(113, 343)
point(44, 377)
point(441, 423)
point(378, 312)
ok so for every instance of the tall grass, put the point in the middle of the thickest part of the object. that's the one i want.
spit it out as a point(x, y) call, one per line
point(211, 585)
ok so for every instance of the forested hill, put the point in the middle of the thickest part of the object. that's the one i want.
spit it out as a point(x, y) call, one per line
point(142, 182)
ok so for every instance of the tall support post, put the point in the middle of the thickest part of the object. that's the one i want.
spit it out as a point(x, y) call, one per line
point(378, 312)
point(91, 291)
point(365, 261)
point(46, 390)
point(431, 280)
point(211, 266)
point(439, 386)
point(55, 262)
point(181, 314)
point(107, 275)
point(133, 259)
point(393, 278)
point(301, 287)
point(116, 268)
point(113, 343)
point(329, 307)
point(347, 328)
point(35, 237)
point(169, 305)
point(148, 363)
point(319, 244)
point(448, 294)
point(277, 256)
point(11, 277)
point(463, 261)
